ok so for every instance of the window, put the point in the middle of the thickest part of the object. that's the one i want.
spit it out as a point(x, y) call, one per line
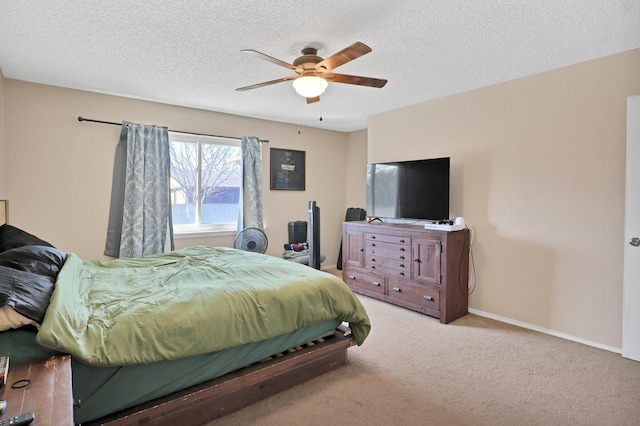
point(206, 175)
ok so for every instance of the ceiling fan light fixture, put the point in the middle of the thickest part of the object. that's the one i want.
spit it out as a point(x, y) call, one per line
point(310, 86)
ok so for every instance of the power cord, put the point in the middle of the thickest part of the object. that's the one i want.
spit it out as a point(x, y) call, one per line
point(471, 275)
point(472, 272)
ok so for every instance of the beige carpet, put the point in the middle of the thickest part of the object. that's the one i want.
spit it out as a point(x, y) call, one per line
point(412, 370)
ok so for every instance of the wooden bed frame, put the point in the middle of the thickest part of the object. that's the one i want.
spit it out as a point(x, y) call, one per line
point(208, 401)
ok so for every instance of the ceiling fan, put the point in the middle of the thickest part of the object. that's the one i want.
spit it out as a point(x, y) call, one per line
point(315, 73)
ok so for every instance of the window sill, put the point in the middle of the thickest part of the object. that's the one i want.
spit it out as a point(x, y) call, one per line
point(202, 234)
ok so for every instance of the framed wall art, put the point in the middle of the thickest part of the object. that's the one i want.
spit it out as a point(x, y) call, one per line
point(287, 169)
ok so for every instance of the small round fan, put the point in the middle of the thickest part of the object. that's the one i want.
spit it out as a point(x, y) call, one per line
point(251, 239)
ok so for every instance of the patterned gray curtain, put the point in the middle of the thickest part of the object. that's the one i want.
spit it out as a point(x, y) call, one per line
point(250, 211)
point(140, 213)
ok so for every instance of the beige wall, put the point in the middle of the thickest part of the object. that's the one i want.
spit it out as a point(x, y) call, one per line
point(538, 172)
point(58, 171)
point(356, 173)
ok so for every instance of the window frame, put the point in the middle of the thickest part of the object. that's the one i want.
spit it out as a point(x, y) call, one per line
point(198, 229)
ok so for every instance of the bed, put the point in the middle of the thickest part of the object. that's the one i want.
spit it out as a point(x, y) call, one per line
point(175, 331)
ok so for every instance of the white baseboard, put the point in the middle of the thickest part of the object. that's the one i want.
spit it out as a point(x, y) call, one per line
point(545, 331)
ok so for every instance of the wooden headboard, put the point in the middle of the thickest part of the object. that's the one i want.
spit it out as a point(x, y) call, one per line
point(3, 212)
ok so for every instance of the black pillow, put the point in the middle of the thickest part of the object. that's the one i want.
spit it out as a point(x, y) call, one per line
point(12, 237)
point(27, 279)
point(39, 260)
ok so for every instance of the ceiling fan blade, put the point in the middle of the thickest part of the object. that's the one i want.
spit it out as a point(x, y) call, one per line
point(266, 83)
point(356, 79)
point(312, 100)
point(347, 54)
point(271, 59)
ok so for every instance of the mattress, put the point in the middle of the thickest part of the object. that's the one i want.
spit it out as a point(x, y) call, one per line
point(99, 391)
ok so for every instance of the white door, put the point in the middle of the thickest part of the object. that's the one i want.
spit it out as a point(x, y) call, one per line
point(631, 287)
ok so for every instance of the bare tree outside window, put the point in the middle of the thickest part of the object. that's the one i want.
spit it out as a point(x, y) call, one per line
point(205, 181)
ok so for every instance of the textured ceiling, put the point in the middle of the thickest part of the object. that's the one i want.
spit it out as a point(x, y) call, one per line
point(187, 52)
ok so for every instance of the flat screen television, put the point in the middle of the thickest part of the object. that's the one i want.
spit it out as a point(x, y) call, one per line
point(417, 189)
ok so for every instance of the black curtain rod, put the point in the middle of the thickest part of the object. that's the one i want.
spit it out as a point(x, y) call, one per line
point(177, 131)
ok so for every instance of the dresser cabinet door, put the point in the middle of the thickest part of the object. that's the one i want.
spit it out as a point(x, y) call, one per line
point(353, 250)
point(427, 255)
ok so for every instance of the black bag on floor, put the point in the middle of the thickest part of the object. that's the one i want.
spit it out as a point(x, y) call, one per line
point(353, 214)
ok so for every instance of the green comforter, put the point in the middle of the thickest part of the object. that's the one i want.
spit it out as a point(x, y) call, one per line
point(191, 301)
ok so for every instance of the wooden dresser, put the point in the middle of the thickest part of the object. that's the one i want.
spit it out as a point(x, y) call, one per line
point(416, 268)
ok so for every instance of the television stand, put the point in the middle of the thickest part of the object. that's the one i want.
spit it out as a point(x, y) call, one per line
point(425, 270)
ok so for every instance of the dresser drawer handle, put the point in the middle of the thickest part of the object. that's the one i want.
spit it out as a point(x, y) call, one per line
point(373, 259)
point(397, 289)
point(402, 249)
point(373, 244)
point(401, 257)
point(377, 284)
point(429, 298)
point(352, 277)
point(373, 266)
point(402, 274)
point(402, 265)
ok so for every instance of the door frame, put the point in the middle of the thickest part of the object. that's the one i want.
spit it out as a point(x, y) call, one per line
point(631, 274)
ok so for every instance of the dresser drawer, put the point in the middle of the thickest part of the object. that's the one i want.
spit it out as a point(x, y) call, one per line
point(391, 268)
point(385, 265)
point(365, 283)
point(401, 274)
point(395, 239)
point(425, 296)
point(390, 250)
